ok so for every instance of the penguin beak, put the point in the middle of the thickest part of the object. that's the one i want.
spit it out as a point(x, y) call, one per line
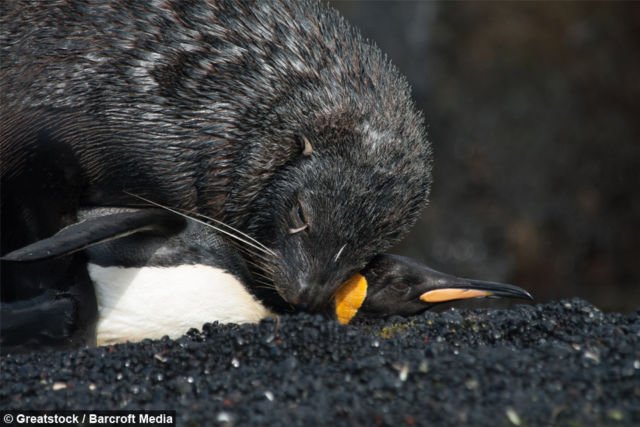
point(469, 288)
point(350, 297)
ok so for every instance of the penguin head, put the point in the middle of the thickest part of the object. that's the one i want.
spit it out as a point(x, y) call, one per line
point(396, 285)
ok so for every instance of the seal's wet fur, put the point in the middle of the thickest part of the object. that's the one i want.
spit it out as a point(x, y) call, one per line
point(205, 106)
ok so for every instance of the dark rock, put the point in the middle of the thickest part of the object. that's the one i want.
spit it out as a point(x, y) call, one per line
point(562, 363)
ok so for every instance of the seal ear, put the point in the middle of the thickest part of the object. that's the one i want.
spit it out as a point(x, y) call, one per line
point(93, 231)
point(305, 144)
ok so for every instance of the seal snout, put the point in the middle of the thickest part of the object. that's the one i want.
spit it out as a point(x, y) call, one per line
point(308, 296)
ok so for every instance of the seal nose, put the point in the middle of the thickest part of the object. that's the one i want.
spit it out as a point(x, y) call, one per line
point(307, 297)
point(296, 295)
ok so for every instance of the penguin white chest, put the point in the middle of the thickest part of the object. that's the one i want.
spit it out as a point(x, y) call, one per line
point(150, 302)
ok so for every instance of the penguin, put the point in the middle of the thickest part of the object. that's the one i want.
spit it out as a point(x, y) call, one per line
point(158, 272)
point(154, 273)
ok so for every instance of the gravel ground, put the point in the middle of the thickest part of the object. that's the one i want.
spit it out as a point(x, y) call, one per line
point(562, 363)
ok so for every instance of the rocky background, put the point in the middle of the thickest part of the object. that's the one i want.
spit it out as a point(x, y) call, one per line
point(534, 114)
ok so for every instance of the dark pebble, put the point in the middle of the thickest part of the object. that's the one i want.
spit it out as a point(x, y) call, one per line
point(563, 363)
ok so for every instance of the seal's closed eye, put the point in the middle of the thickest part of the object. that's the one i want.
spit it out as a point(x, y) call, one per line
point(298, 219)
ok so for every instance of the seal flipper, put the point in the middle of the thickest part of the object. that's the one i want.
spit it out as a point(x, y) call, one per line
point(401, 286)
point(96, 230)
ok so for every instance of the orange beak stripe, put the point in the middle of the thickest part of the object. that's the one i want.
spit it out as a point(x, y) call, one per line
point(450, 294)
point(350, 297)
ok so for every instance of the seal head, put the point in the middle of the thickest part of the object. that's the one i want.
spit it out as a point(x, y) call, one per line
point(327, 216)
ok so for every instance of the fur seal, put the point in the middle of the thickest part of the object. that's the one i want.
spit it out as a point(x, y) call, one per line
point(274, 117)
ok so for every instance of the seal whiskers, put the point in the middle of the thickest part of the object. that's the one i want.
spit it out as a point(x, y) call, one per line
point(258, 257)
point(244, 238)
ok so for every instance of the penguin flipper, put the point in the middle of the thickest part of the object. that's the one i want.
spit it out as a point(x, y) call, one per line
point(401, 286)
point(46, 321)
point(95, 230)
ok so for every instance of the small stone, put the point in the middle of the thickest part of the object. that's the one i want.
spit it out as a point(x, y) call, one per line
point(159, 357)
point(224, 418)
point(471, 384)
point(513, 417)
point(616, 415)
point(403, 371)
point(592, 355)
